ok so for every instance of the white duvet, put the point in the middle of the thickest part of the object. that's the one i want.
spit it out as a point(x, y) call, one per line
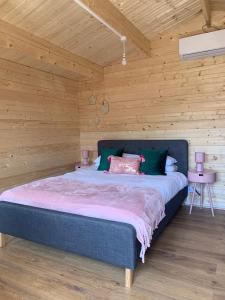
point(168, 185)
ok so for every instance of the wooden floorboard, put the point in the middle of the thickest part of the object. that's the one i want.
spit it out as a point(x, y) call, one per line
point(186, 263)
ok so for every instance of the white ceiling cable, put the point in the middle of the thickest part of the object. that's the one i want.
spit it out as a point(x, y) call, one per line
point(123, 38)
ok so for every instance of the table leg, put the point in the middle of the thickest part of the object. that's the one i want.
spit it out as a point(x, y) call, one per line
point(210, 199)
point(202, 194)
point(192, 198)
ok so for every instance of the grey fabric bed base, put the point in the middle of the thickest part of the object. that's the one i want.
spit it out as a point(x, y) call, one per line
point(108, 241)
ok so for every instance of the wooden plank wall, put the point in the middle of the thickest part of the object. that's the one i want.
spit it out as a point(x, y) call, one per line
point(39, 124)
point(162, 98)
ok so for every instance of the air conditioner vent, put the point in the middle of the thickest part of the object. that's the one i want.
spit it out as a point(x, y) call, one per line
point(202, 45)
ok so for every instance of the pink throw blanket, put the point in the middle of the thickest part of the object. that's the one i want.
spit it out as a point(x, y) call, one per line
point(141, 207)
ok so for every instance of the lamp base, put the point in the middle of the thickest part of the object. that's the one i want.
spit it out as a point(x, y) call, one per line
point(85, 162)
point(199, 167)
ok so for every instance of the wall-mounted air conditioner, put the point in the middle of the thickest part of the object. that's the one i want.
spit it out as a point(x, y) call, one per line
point(202, 45)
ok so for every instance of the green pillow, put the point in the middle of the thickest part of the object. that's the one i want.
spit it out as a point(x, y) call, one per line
point(154, 163)
point(105, 153)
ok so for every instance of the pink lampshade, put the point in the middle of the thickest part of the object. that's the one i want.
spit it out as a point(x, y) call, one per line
point(199, 157)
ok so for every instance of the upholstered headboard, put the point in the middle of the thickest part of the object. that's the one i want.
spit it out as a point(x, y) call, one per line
point(176, 148)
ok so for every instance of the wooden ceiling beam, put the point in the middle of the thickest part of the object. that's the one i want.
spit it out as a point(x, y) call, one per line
point(109, 13)
point(24, 48)
point(206, 10)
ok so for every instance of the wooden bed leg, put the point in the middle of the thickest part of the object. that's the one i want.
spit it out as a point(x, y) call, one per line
point(129, 274)
point(2, 240)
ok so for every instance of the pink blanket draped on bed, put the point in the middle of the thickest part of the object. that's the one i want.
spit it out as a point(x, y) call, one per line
point(141, 207)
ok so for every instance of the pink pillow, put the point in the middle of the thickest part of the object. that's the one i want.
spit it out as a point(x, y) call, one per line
point(124, 165)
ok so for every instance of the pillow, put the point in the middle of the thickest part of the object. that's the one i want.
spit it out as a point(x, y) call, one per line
point(172, 168)
point(97, 161)
point(105, 153)
point(131, 155)
point(154, 162)
point(170, 161)
point(92, 167)
point(124, 165)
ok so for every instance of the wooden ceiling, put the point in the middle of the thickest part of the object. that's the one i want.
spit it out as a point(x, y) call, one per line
point(153, 17)
point(65, 24)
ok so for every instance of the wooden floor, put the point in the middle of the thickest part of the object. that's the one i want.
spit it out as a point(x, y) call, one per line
point(187, 262)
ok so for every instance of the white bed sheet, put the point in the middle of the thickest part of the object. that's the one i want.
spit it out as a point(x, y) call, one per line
point(168, 185)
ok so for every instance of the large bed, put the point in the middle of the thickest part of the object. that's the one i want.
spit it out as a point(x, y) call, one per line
point(109, 241)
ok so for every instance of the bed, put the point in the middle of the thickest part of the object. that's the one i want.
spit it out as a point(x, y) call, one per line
point(108, 241)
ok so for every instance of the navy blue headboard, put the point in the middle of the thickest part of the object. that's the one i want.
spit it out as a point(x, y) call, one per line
point(176, 148)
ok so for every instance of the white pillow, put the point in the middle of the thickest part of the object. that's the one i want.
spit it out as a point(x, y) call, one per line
point(172, 168)
point(97, 161)
point(170, 161)
point(92, 167)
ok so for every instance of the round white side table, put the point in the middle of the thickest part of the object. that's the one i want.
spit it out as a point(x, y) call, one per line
point(205, 178)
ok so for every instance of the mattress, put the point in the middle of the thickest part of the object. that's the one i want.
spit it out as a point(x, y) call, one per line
point(168, 186)
point(93, 193)
point(97, 194)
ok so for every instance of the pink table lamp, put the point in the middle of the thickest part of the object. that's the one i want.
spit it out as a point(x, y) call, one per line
point(199, 159)
point(85, 156)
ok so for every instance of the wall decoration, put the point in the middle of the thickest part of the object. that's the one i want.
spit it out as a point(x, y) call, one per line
point(92, 100)
point(104, 107)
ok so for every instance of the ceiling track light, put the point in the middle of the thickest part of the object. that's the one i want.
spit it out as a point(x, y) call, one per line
point(124, 59)
point(123, 38)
